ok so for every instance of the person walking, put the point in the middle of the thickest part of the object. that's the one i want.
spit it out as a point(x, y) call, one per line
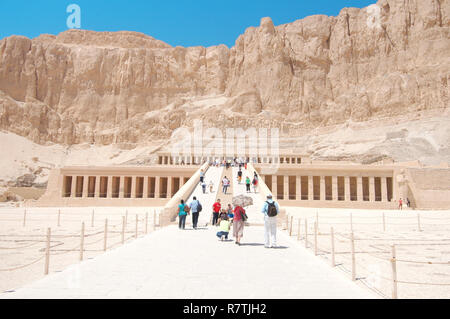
point(195, 208)
point(225, 184)
point(400, 204)
point(255, 183)
point(270, 210)
point(238, 224)
point(202, 176)
point(204, 187)
point(183, 210)
point(216, 210)
point(408, 202)
point(211, 186)
point(239, 175)
point(247, 184)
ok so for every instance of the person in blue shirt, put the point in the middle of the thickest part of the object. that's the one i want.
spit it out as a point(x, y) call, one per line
point(182, 215)
point(194, 205)
point(270, 210)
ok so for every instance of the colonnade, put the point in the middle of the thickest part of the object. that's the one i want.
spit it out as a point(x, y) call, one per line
point(197, 160)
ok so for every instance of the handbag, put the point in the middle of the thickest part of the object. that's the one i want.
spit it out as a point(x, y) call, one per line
point(243, 215)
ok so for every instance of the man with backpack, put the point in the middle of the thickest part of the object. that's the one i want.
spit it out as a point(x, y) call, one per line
point(196, 208)
point(270, 210)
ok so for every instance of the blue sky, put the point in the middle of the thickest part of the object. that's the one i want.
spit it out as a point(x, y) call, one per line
point(181, 22)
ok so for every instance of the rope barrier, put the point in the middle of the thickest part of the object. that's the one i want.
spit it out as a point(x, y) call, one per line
point(423, 283)
point(21, 247)
point(23, 266)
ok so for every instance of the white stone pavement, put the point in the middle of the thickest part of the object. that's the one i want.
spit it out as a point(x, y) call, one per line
point(173, 263)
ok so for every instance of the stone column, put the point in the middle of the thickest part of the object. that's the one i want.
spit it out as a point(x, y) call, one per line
point(274, 186)
point(157, 185)
point(121, 187)
point(73, 190)
point(286, 187)
point(97, 187)
point(169, 186)
point(383, 189)
point(359, 188)
point(133, 187)
point(109, 189)
point(181, 181)
point(322, 187)
point(298, 188)
point(371, 188)
point(347, 188)
point(310, 188)
point(334, 188)
point(145, 187)
point(85, 186)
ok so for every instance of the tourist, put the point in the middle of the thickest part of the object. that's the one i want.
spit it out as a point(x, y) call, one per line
point(183, 210)
point(225, 184)
point(202, 176)
point(196, 208)
point(400, 204)
point(270, 210)
point(224, 228)
point(211, 186)
point(255, 183)
point(204, 187)
point(408, 203)
point(239, 175)
point(222, 215)
point(238, 224)
point(247, 184)
point(216, 209)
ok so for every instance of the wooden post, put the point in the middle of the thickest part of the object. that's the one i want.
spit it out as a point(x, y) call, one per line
point(82, 241)
point(59, 217)
point(352, 243)
point(105, 235)
point(394, 273)
point(418, 221)
point(299, 225)
point(47, 252)
point(290, 226)
point(287, 221)
point(24, 217)
point(92, 219)
point(137, 221)
point(146, 223)
point(332, 247)
point(154, 219)
point(306, 233)
point(123, 229)
point(317, 220)
point(351, 222)
point(384, 222)
point(315, 238)
point(126, 217)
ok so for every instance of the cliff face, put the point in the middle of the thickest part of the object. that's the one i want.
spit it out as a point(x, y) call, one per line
point(389, 59)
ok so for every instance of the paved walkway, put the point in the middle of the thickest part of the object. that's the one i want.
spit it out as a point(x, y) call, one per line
point(172, 263)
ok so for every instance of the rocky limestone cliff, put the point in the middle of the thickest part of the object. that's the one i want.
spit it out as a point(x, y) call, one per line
point(387, 60)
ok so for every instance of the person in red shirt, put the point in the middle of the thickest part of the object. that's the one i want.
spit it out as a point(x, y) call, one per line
point(216, 210)
point(238, 224)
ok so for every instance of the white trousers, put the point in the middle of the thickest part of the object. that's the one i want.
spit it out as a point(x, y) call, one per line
point(270, 231)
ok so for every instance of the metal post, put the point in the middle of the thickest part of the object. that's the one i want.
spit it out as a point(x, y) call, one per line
point(106, 235)
point(315, 238)
point(394, 273)
point(332, 247)
point(82, 241)
point(47, 252)
point(352, 242)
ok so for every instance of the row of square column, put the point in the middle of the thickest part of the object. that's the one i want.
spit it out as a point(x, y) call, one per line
point(86, 186)
point(321, 193)
point(197, 160)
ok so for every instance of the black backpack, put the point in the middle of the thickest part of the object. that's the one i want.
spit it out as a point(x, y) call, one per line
point(199, 207)
point(271, 209)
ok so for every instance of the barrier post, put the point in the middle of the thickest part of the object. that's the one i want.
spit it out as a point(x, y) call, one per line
point(146, 223)
point(47, 252)
point(137, 221)
point(126, 216)
point(123, 229)
point(287, 221)
point(418, 221)
point(352, 243)
point(315, 238)
point(290, 226)
point(332, 247)
point(105, 235)
point(394, 273)
point(384, 222)
point(82, 241)
point(306, 233)
point(59, 217)
point(299, 225)
point(24, 217)
point(154, 219)
point(92, 219)
point(317, 219)
point(351, 222)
